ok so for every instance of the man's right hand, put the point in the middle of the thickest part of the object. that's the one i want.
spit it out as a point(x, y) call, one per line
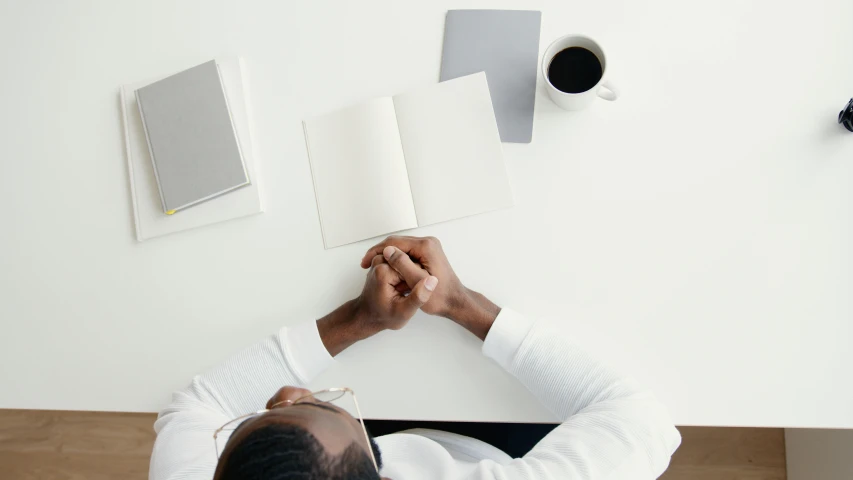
point(426, 251)
point(451, 299)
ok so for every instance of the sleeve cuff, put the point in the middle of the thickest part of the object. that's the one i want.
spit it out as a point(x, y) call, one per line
point(305, 350)
point(505, 336)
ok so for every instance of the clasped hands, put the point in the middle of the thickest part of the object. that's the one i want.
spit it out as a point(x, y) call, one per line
point(405, 274)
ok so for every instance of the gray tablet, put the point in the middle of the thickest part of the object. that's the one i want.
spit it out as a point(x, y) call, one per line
point(505, 45)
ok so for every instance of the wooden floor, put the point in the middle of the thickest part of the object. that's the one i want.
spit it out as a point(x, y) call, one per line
point(101, 446)
point(729, 454)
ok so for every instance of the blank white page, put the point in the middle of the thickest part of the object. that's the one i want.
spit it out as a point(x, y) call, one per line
point(453, 150)
point(360, 178)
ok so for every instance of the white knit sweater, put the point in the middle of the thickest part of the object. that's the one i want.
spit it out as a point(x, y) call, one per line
point(612, 429)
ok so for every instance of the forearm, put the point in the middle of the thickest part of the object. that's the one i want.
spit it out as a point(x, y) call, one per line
point(242, 384)
point(565, 377)
point(610, 422)
point(245, 381)
point(293, 356)
point(342, 327)
point(474, 312)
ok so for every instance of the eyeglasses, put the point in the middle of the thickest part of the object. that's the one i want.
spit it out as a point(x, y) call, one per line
point(323, 396)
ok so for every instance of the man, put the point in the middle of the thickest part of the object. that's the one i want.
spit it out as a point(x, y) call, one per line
point(612, 428)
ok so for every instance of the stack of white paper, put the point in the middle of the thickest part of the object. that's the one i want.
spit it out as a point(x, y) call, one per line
point(150, 220)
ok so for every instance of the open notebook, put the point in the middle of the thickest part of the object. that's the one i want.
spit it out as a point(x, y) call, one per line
point(415, 159)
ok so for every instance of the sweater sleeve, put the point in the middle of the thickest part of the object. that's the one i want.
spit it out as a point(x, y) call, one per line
point(612, 428)
point(184, 447)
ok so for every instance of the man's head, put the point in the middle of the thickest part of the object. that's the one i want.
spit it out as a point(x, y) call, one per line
point(308, 440)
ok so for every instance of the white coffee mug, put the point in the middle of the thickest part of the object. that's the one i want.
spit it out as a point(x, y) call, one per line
point(577, 101)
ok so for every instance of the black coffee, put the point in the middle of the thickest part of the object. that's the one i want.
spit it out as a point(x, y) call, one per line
point(574, 70)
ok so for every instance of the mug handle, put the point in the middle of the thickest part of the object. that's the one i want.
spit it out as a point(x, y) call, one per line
point(611, 93)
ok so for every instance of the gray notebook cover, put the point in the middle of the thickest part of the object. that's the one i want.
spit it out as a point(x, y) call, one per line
point(505, 45)
point(191, 137)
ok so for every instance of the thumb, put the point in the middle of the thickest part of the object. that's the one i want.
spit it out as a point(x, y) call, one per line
point(419, 296)
point(411, 272)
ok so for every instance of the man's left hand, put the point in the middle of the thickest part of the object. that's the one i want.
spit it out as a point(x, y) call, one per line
point(382, 305)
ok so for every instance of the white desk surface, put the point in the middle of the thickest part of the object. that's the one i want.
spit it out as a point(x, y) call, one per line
point(697, 232)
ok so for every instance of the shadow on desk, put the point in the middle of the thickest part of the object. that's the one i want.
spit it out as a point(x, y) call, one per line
point(516, 439)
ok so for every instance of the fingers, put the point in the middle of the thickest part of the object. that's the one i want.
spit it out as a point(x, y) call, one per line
point(420, 295)
point(406, 244)
point(367, 259)
point(411, 272)
point(385, 274)
point(286, 396)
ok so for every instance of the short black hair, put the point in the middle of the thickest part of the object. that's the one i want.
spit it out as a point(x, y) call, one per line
point(288, 452)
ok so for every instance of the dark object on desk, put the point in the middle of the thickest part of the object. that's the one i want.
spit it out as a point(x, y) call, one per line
point(574, 70)
point(845, 117)
point(516, 439)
